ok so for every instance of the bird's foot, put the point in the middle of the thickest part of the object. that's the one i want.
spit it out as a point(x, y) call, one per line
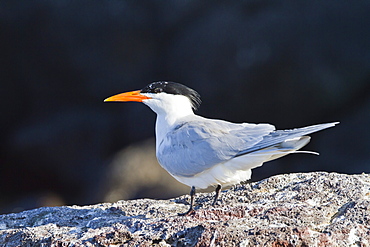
point(189, 212)
point(215, 203)
point(218, 189)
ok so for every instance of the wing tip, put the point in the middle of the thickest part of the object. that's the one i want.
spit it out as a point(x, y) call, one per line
point(326, 125)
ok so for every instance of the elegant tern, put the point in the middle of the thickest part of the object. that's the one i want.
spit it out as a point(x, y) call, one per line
point(202, 152)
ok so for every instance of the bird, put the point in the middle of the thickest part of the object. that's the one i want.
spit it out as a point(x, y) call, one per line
point(201, 152)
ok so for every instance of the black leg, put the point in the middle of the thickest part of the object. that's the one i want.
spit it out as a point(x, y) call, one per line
point(218, 188)
point(192, 194)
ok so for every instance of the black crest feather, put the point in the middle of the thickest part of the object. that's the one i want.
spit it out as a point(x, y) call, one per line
point(174, 88)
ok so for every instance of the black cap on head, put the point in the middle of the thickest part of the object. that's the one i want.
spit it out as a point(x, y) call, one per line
point(173, 88)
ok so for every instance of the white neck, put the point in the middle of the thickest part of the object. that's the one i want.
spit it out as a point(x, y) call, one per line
point(170, 109)
point(165, 122)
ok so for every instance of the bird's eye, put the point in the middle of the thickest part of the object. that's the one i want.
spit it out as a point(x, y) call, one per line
point(158, 90)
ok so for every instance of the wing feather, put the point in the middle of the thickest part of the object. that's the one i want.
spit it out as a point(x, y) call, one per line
point(199, 144)
point(194, 146)
point(280, 136)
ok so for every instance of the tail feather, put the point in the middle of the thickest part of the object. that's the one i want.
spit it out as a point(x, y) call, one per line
point(286, 137)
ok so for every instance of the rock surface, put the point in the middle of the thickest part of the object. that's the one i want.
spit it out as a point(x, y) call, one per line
point(302, 209)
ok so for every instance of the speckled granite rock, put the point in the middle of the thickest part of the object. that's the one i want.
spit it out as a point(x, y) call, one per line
point(303, 209)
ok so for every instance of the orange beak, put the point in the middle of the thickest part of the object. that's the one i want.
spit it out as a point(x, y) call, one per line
point(129, 96)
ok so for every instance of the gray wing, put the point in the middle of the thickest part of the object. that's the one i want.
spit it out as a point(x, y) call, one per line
point(200, 144)
point(279, 136)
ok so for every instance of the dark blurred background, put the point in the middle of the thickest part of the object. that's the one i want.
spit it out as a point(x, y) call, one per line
point(289, 63)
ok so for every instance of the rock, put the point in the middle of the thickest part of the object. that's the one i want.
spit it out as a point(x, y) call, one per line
point(302, 209)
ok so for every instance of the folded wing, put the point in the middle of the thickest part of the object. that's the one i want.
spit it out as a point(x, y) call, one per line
point(280, 136)
point(199, 144)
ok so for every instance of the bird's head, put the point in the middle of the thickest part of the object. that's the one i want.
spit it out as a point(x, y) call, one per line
point(163, 97)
